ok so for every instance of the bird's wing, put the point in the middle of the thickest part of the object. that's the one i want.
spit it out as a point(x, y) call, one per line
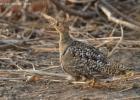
point(75, 63)
point(83, 55)
point(87, 52)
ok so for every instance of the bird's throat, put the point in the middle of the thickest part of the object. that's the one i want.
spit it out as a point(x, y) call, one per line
point(64, 37)
point(64, 42)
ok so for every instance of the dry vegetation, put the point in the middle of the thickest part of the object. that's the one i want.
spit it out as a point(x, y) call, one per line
point(29, 57)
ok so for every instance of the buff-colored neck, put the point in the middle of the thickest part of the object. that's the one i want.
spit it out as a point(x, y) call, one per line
point(65, 39)
point(64, 42)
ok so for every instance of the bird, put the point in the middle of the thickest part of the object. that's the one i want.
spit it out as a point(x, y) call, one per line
point(81, 60)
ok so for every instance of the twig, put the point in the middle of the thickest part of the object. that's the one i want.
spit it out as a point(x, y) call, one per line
point(51, 20)
point(116, 20)
point(84, 9)
point(51, 67)
point(106, 38)
point(72, 11)
point(6, 11)
point(6, 44)
point(44, 49)
point(23, 10)
point(111, 35)
point(113, 30)
point(35, 72)
point(80, 1)
point(18, 67)
point(119, 13)
point(13, 79)
point(121, 38)
point(131, 98)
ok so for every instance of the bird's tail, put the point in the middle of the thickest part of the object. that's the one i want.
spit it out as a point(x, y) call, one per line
point(115, 69)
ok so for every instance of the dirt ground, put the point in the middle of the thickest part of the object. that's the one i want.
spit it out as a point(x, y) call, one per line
point(32, 45)
point(48, 89)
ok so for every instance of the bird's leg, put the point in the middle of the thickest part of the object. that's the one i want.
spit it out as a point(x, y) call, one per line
point(96, 83)
point(77, 80)
point(71, 78)
point(91, 82)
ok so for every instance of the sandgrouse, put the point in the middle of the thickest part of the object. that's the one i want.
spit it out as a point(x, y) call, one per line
point(80, 60)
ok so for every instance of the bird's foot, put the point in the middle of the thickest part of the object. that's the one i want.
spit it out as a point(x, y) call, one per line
point(69, 77)
point(126, 76)
point(129, 74)
point(94, 83)
point(84, 83)
point(91, 83)
point(75, 80)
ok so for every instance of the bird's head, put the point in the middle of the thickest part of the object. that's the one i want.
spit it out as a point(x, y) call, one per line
point(63, 25)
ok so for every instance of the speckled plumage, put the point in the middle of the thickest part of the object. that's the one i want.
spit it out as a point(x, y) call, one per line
point(82, 60)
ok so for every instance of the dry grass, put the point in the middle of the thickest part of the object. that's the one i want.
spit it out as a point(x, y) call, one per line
point(29, 54)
